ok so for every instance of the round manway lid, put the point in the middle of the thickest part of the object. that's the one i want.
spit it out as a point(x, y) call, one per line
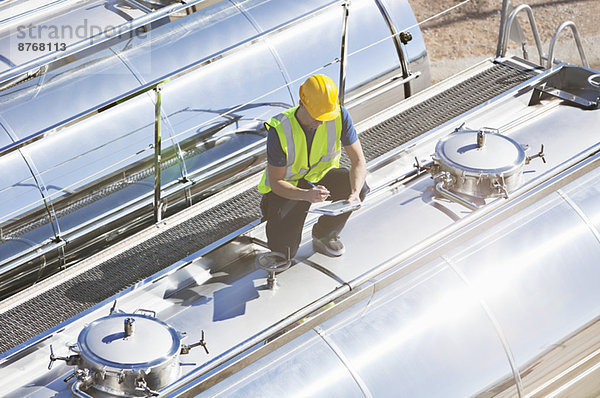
point(496, 154)
point(106, 342)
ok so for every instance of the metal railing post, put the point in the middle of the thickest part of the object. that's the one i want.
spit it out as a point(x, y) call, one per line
point(344, 54)
point(534, 30)
point(157, 152)
point(503, 16)
point(562, 26)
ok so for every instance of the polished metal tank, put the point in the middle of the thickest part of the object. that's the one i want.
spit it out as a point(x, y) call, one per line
point(431, 298)
point(478, 164)
point(77, 126)
point(126, 355)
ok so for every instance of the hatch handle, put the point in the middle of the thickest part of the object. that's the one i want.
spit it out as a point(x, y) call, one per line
point(70, 360)
point(540, 154)
point(185, 349)
point(142, 386)
point(145, 312)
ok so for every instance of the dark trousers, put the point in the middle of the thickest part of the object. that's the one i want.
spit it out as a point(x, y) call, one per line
point(285, 217)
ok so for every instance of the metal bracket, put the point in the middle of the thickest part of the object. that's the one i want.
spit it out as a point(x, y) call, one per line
point(540, 154)
point(84, 381)
point(501, 187)
point(405, 37)
point(145, 312)
point(542, 92)
point(141, 385)
point(426, 167)
point(185, 349)
point(71, 360)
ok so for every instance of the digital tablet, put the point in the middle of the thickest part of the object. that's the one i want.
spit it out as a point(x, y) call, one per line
point(335, 208)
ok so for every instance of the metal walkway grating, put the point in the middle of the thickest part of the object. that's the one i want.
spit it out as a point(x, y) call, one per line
point(72, 297)
point(84, 291)
point(443, 107)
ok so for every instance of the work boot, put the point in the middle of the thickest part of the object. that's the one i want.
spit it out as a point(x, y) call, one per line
point(330, 245)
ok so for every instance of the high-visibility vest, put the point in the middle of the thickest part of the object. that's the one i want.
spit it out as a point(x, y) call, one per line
point(325, 152)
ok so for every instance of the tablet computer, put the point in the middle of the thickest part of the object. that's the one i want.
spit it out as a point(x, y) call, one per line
point(335, 208)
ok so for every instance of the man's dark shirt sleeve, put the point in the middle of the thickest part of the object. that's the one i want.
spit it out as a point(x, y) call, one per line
point(275, 155)
point(349, 135)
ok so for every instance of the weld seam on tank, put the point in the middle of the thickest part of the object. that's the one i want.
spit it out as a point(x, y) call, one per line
point(561, 174)
point(566, 372)
point(48, 217)
point(573, 381)
point(580, 212)
point(493, 320)
point(403, 58)
point(39, 182)
point(269, 44)
point(345, 361)
point(188, 383)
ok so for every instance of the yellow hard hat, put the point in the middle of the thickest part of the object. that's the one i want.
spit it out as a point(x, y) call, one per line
point(320, 97)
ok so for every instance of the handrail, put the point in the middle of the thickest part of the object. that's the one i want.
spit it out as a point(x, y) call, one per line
point(344, 53)
point(503, 13)
point(402, 56)
point(153, 84)
point(168, 77)
point(563, 25)
point(241, 354)
point(534, 29)
point(383, 87)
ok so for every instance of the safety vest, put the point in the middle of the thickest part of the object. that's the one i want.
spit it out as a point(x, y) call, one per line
point(325, 152)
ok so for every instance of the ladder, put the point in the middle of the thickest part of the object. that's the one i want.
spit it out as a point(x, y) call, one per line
point(512, 26)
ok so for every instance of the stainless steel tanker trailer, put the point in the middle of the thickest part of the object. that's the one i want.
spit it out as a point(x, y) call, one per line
point(471, 269)
point(77, 126)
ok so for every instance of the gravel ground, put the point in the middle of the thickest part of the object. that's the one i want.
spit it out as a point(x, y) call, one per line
point(469, 33)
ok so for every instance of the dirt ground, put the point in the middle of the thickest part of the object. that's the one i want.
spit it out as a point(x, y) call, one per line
point(469, 33)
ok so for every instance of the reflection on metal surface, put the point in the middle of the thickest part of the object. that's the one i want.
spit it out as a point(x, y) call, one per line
point(97, 185)
point(432, 297)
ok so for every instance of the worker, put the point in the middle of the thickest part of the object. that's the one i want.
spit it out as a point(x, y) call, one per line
point(303, 153)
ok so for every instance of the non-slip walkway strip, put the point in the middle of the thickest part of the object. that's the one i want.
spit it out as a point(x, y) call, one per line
point(65, 301)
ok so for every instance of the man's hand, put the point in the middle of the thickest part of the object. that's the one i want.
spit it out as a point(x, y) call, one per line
point(354, 198)
point(317, 194)
point(286, 190)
